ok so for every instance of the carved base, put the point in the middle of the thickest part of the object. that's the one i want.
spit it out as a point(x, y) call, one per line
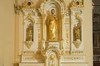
point(54, 44)
point(73, 58)
point(31, 64)
point(63, 64)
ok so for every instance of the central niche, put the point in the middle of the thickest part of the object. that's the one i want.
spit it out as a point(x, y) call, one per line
point(53, 23)
point(53, 59)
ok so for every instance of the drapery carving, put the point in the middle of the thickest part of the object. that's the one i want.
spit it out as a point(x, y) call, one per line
point(29, 32)
point(52, 27)
point(77, 29)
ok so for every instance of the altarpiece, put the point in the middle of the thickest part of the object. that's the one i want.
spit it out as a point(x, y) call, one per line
point(50, 32)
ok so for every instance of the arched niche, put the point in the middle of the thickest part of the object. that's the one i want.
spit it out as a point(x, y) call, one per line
point(46, 9)
point(53, 57)
point(28, 32)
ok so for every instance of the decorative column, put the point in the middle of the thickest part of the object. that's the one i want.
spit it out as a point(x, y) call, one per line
point(59, 60)
point(46, 61)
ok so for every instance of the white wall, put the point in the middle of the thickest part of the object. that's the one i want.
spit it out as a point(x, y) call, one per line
point(88, 31)
point(6, 32)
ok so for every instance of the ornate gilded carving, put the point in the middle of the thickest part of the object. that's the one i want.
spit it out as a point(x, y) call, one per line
point(17, 7)
point(77, 4)
point(43, 44)
point(53, 32)
point(28, 4)
point(39, 39)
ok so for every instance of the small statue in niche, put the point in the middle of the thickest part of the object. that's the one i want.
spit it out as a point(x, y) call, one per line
point(52, 27)
point(29, 32)
point(53, 59)
point(77, 31)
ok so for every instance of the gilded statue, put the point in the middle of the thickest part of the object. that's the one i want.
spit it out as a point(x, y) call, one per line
point(77, 32)
point(52, 27)
point(77, 29)
point(29, 32)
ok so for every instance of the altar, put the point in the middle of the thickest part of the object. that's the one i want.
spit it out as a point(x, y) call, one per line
point(50, 33)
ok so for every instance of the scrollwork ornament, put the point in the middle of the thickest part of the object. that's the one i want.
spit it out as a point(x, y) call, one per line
point(77, 4)
point(28, 44)
point(27, 4)
point(17, 9)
